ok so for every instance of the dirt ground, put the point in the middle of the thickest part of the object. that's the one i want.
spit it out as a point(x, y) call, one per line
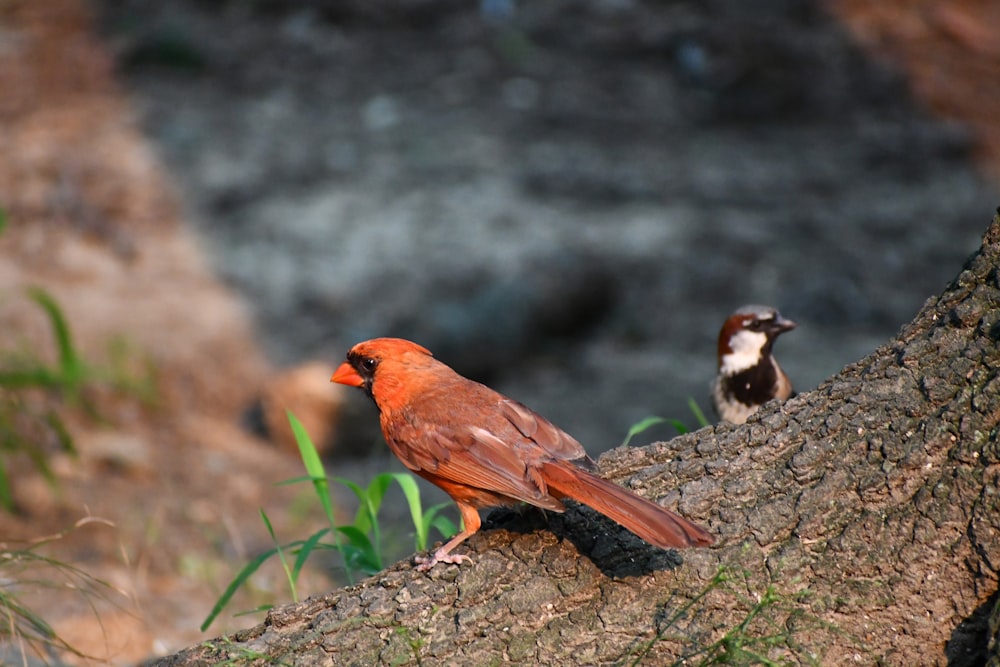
point(565, 201)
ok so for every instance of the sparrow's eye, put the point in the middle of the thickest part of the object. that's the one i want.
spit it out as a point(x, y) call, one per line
point(759, 324)
point(368, 364)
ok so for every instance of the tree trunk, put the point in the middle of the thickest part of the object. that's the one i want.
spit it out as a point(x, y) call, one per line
point(857, 524)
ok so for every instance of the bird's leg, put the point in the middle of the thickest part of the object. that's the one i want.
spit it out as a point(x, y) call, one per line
point(471, 523)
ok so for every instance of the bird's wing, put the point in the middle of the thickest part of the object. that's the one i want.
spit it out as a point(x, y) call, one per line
point(474, 457)
point(557, 443)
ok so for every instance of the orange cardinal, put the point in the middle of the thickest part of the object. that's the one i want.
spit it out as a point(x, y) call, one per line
point(484, 450)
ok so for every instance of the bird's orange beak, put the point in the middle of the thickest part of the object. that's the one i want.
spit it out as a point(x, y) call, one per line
point(345, 374)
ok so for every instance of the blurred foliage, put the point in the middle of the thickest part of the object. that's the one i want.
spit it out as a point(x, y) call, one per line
point(24, 568)
point(35, 395)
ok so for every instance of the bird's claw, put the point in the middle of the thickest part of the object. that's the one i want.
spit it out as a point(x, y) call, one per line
point(425, 563)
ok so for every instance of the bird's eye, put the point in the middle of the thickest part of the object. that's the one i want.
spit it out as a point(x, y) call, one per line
point(368, 364)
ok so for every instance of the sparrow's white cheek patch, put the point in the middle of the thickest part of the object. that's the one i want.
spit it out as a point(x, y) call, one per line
point(746, 347)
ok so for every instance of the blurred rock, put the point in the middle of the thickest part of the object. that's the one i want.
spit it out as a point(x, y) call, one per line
point(115, 451)
point(307, 392)
point(491, 326)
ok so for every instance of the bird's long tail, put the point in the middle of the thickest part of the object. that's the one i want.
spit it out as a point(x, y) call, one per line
point(646, 519)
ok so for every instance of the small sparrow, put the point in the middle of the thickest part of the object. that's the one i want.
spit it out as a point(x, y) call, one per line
point(484, 449)
point(749, 375)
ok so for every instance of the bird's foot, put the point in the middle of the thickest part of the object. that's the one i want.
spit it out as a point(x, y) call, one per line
point(425, 563)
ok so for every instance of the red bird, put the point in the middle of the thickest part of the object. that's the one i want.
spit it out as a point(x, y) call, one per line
point(485, 450)
point(749, 375)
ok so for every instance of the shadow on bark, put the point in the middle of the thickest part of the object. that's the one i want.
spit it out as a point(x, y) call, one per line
point(615, 551)
point(969, 642)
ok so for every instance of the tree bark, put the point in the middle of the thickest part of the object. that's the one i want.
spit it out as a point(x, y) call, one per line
point(857, 524)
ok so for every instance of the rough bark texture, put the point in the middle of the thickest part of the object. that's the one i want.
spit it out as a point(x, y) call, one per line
point(858, 524)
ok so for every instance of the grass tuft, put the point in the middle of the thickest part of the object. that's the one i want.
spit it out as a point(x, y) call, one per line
point(35, 395)
point(359, 544)
point(764, 635)
point(648, 422)
point(23, 567)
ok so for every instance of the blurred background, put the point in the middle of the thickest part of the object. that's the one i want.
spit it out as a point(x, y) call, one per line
point(562, 199)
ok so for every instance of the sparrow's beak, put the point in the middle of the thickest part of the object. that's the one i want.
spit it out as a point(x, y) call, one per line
point(781, 325)
point(345, 374)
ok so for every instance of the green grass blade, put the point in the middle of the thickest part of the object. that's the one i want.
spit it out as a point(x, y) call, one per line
point(699, 416)
point(29, 378)
point(15, 610)
point(356, 489)
point(377, 489)
point(294, 480)
point(306, 550)
point(61, 433)
point(433, 519)
point(256, 610)
point(360, 553)
point(649, 422)
point(356, 538)
point(374, 495)
point(37, 457)
point(680, 426)
point(641, 426)
point(444, 525)
point(6, 494)
point(307, 450)
point(70, 365)
point(281, 557)
point(313, 464)
point(240, 579)
point(363, 518)
point(411, 492)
